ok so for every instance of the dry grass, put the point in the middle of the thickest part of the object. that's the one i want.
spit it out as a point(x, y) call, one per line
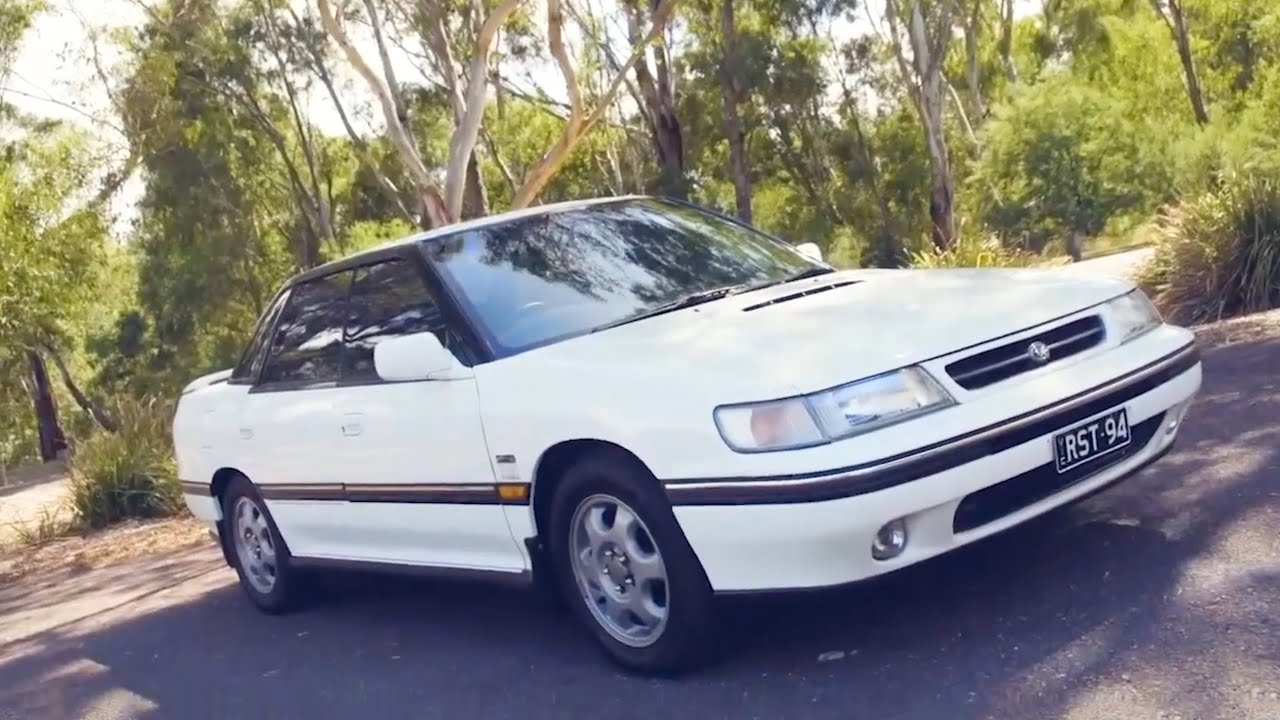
point(125, 541)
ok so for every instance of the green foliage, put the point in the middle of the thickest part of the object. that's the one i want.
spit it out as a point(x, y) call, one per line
point(16, 17)
point(1063, 158)
point(126, 474)
point(371, 233)
point(1218, 255)
point(49, 249)
point(973, 250)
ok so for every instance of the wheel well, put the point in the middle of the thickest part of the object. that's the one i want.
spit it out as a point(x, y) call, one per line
point(221, 479)
point(552, 466)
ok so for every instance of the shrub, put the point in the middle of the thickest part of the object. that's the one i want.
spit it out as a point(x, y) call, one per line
point(127, 474)
point(1218, 254)
point(975, 251)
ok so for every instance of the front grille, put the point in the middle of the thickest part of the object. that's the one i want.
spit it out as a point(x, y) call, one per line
point(1001, 363)
point(1002, 499)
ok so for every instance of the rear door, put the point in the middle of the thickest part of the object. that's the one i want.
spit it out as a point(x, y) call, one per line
point(288, 422)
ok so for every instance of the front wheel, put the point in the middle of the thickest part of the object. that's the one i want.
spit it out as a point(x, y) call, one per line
point(626, 568)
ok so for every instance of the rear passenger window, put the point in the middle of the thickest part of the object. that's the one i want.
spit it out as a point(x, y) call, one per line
point(251, 359)
point(307, 347)
point(387, 299)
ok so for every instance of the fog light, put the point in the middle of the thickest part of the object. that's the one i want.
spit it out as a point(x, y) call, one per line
point(890, 540)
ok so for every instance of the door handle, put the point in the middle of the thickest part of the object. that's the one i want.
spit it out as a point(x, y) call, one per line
point(351, 425)
point(246, 433)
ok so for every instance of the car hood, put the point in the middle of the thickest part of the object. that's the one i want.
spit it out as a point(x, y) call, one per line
point(824, 331)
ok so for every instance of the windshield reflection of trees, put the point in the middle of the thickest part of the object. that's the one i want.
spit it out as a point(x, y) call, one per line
point(652, 251)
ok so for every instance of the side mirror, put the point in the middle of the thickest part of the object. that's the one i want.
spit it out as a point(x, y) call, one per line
point(810, 250)
point(419, 356)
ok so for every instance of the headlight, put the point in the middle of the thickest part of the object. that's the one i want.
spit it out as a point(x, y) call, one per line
point(831, 414)
point(1133, 314)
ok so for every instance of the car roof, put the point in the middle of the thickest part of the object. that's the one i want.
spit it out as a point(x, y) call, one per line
point(445, 231)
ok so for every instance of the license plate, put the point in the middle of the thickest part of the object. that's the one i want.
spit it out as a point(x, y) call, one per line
point(1091, 440)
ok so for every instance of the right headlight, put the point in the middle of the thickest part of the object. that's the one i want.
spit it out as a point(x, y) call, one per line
point(1133, 314)
point(830, 415)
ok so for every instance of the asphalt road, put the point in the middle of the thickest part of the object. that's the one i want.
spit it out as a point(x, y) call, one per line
point(1158, 599)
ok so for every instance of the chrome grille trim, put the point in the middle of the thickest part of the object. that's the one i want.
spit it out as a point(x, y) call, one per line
point(1013, 358)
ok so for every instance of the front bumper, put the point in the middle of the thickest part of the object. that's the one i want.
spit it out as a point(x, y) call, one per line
point(816, 529)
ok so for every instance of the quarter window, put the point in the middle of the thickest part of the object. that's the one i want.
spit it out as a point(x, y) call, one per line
point(307, 347)
point(387, 300)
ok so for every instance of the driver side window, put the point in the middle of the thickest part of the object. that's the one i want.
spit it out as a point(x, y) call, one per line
point(389, 299)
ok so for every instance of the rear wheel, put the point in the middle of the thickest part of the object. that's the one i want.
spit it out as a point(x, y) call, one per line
point(626, 569)
point(259, 554)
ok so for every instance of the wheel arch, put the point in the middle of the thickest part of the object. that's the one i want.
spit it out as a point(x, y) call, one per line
point(217, 486)
point(553, 463)
point(221, 479)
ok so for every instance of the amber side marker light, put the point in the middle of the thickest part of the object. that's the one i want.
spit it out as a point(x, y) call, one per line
point(513, 492)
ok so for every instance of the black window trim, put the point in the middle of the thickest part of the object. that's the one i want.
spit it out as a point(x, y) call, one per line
point(455, 312)
point(272, 321)
point(454, 320)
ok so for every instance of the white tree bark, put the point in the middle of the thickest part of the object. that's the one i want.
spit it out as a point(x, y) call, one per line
point(922, 75)
point(467, 132)
point(580, 121)
point(434, 207)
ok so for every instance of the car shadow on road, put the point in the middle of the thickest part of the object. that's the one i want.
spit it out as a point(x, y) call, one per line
point(1156, 595)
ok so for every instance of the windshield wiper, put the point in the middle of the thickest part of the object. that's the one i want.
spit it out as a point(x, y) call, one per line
point(814, 271)
point(685, 301)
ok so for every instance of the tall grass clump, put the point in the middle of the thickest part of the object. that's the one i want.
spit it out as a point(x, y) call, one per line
point(975, 251)
point(1217, 255)
point(129, 473)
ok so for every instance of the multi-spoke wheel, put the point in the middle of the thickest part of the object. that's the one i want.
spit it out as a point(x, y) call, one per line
point(254, 549)
point(625, 566)
point(261, 556)
point(619, 570)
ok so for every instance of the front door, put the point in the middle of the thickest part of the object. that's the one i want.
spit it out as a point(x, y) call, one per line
point(419, 482)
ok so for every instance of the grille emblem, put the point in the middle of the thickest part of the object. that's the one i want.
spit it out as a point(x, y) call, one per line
point(1038, 352)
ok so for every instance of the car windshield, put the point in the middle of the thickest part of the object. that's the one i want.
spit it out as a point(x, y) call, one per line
point(547, 277)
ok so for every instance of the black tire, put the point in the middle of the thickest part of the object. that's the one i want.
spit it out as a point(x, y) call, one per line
point(284, 593)
point(689, 637)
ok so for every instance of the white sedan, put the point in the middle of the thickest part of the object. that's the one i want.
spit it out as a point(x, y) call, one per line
point(641, 404)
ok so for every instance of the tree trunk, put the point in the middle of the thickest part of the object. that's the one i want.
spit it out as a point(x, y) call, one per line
point(1178, 26)
point(579, 122)
point(887, 250)
point(730, 81)
point(941, 193)
point(475, 199)
point(1075, 245)
point(973, 68)
point(52, 441)
point(434, 210)
point(660, 114)
point(1006, 41)
point(104, 421)
point(927, 56)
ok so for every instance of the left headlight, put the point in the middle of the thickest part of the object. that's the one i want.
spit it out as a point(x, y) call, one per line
point(831, 415)
point(1133, 314)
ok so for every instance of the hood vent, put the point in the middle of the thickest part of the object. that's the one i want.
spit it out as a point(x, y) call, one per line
point(802, 293)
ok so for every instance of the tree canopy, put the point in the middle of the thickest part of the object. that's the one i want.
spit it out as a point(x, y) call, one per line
point(250, 139)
